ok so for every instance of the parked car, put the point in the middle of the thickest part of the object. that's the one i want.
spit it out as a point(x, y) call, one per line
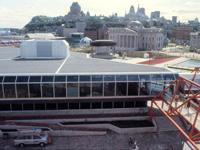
point(33, 139)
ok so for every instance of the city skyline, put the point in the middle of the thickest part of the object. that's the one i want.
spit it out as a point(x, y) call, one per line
point(17, 13)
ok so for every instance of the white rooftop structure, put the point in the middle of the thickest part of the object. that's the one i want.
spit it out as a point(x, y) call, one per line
point(44, 49)
point(42, 36)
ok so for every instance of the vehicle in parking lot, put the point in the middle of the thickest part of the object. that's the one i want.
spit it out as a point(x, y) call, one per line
point(32, 139)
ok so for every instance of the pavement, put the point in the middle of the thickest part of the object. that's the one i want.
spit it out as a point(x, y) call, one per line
point(110, 141)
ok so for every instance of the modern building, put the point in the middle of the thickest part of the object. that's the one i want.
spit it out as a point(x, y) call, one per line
point(174, 20)
point(155, 15)
point(136, 37)
point(75, 84)
point(195, 40)
point(181, 35)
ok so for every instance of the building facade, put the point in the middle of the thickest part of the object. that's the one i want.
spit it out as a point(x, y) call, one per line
point(195, 40)
point(181, 35)
point(136, 37)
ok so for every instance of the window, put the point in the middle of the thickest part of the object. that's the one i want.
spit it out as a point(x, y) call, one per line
point(5, 107)
point(85, 89)
point(145, 85)
point(97, 78)
point(140, 104)
point(39, 106)
point(47, 79)
point(60, 78)
point(9, 79)
point(72, 89)
point(109, 89)
point(73, 105)
point(72, 78)
point(109, 78)
point(85, 105)
point(107, 104)
point(22, 79)
point(85, 78)
point(156, 84)
point(121, 78)
point(133, 88)
point(9, 91)
point(51, 106)
point(118, 105)
point(97, 89)
point(28, 107)
point(35, 79)
point(96, 105)
point(129, 104)
point(47, 90)
point(1, 90)
point(133, 78)
point(16, 107)
point(22, 90)
point(168, 77)
point(35, 90)
point(60, 90)
point(121, 89)
point(62, 106)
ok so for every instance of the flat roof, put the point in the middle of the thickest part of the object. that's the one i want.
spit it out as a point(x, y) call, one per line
point(77, 63)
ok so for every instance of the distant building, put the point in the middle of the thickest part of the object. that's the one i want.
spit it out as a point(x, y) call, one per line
point(136, 37)
point(155, 15)
point(42, 36)
point(138, 15)
point(75, 13)
point(195, 40)
point(68, 31)
point(181, 35)
point(96, 34)
point(174, 20)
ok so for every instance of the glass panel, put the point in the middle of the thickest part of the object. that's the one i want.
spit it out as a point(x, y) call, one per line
point(60, 78)
point(35, 90)
point(39, 106)
point(97, 78)
point(1, 91)
point(73, 105)
point(22, 79)
point(85, 78)
point(145, 88)
point(109, 78)
point(5, 107)
point(121, 89)
point(156, 87)
point(51, 106)
point(47, 90)
point(133, 78)
point(109, 89)
point(85, 89)
point(22, 90)
point(85, 106)
point(28, 106)
point(144, 78)
point(35, 79)
point(60, 90)
point(9, 91)
point(96, 105)
point(133, 88)
point(97, 89)
point(118, 104)
point(129, 104)
point(9, 79)
point(16, 107)
point(72, 78)
point(1, 79)
point(62, 106)
point(72, 89)
point(47, 79)
point(168, 77)
point(107, 104)
point(121, 78)
point(156, 77)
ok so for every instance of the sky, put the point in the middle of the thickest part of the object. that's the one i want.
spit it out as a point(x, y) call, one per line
point(17, 13)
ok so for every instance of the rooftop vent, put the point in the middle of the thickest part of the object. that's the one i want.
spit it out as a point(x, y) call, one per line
point(44, 49)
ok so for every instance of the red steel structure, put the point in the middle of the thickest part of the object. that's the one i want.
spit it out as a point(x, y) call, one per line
point(181, 99)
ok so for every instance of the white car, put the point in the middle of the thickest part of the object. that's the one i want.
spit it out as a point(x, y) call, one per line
point(35, 139)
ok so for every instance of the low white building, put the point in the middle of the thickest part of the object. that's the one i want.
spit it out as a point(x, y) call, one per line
point(44, 49)
point(136, 37)
point(195, 40)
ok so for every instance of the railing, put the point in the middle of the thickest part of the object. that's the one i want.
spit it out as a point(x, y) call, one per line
point(181, 98)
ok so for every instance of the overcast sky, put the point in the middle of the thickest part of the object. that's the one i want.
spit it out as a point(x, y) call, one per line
point(17, 13)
